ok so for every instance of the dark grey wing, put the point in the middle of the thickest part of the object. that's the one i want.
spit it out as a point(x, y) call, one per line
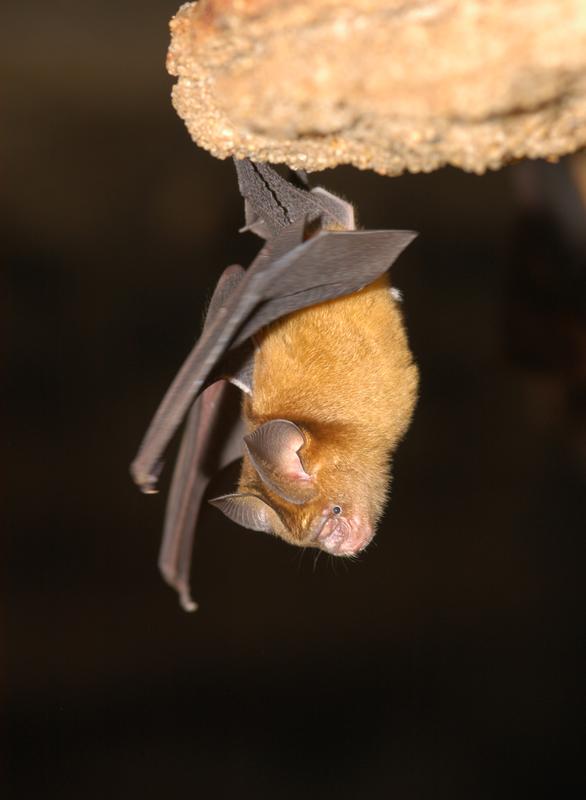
point(287, 275)
point(212, 439)
point(191, 379)
point(235, 297)
point(229, 280)
point(331, 264)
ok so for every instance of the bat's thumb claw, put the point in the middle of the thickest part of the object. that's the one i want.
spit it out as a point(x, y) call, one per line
point(146, 480)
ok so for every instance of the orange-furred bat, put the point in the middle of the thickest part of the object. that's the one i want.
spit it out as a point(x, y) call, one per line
point(312, 334)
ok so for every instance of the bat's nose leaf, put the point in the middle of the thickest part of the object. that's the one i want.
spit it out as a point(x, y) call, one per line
point(342, 536)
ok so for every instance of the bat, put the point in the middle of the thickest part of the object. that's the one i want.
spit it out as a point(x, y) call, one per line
point(312, 336)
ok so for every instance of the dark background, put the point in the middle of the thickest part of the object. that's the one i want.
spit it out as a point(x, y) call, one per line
point(447, 662)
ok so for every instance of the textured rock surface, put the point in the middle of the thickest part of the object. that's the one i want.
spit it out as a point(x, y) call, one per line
point(389, 85)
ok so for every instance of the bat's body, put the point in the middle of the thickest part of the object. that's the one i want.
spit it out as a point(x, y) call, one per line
point(312, 335)
point(343, 373)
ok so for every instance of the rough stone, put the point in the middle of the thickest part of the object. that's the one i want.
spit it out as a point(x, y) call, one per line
point(388, 85)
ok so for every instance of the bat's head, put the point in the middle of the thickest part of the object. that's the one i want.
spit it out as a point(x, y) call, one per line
point(277, 495)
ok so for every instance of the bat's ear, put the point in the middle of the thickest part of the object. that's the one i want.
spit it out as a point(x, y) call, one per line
point(249, 511)
point(274, 451)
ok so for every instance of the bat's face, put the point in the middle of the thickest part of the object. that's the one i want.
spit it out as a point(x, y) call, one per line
point(324, 524)
point(277, 495)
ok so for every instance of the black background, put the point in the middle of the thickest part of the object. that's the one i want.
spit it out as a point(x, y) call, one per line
point(446, 662)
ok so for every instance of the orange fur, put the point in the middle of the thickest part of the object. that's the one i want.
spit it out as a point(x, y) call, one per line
point(343, 372)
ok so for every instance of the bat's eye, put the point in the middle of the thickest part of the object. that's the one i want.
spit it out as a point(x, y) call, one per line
point(336, 510)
